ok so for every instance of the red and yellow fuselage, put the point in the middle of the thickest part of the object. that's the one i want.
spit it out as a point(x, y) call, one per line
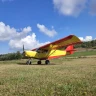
point(45, 55)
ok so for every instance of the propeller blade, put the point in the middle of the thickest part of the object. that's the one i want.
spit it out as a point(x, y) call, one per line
point(23, 53)
point(23, 48)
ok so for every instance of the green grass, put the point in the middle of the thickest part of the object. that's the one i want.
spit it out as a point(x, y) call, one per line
point(85, 53)
point(63, 77)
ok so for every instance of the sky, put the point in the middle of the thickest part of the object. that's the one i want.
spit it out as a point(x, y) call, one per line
point(33, 23)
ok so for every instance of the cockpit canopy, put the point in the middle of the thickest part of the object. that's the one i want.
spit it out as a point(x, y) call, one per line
point(41, 50)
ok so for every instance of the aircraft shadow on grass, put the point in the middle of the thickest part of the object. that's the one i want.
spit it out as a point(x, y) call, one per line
point(36, 64)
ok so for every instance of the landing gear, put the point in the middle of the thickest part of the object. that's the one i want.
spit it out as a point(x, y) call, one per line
point(39, 62)
point(29, 62)
point(47, 62)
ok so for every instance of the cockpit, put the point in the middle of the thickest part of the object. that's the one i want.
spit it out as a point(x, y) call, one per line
point(41, 50)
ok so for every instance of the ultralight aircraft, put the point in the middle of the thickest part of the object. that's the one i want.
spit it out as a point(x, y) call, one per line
point(53, 50)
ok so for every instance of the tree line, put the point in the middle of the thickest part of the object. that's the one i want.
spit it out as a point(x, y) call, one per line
point(89, 44)
point(11, 56)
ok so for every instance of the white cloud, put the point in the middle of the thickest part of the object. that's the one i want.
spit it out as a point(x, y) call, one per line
point(7, 33)
point(81, 38)
point(87, 38)
point(69, 7)
point(29, 42)
point(92, 7)
point(17, 39)
point(46, 31)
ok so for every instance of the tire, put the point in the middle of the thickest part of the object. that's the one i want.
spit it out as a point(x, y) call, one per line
point(39, 62)
point(28, 62)
point(47, 62)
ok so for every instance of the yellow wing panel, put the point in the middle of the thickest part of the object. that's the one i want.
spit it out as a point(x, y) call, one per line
point(73, 40)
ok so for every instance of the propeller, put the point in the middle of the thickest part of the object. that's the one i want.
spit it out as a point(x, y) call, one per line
point(23, 48)
point(23, 53)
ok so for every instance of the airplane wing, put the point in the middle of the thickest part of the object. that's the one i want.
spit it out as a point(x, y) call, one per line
point(71, 39)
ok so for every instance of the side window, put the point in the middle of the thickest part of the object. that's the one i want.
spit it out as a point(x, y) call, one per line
point(45, 51)
point(38, 50)
point(41, 51)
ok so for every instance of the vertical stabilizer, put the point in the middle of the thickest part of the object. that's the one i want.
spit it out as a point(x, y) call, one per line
point(70, 49)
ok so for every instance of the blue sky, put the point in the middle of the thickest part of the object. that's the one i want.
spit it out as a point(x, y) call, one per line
point(38, 22)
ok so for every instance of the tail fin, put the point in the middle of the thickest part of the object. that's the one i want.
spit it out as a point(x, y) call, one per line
point(70, 49)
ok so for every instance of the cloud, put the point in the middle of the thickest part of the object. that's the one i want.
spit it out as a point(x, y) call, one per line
point(92, 7)
point(46, 31)
point(18, 37)
point(69, 7)
point(29, 42)
point(87, 38)
point(7, 33)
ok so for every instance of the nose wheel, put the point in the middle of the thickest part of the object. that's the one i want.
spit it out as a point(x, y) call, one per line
point(29, 62)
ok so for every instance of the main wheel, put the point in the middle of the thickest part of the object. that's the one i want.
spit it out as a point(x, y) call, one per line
point(47, 62)
point(39, 62)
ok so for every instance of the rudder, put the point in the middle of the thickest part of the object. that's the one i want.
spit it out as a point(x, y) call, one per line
point(70, 49)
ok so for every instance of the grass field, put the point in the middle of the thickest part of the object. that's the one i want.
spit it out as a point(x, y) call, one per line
point(63, 77)
point(84, 53)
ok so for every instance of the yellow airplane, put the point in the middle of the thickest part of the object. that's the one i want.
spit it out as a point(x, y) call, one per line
point(53, 50)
